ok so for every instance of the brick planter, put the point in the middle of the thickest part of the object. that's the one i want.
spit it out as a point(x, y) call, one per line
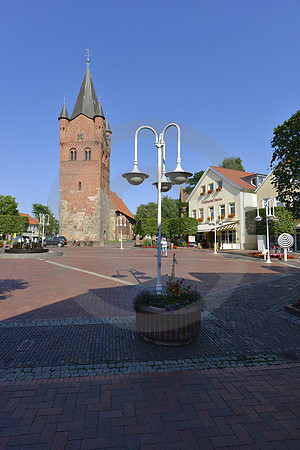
point(171, 328)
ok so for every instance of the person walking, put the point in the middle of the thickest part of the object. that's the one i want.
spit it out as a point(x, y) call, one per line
point(164, 247)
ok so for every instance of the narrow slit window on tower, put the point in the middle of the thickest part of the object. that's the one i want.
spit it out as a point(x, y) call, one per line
point(74, 155)
point(79, 186)
point(71, 155)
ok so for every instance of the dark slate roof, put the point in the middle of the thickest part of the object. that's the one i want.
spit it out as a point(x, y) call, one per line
point(64, 113)
point(107, 127)
point(87, 102)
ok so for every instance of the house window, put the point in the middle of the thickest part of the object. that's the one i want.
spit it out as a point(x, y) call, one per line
point(253, 181)
point(202, 189)
point(79, 186)
point(220, 185)
point(201, 213)
point(228, 237)
point(222, 211)
point(194, 213)
point(231, 208)
point(211, 187)
point(212, 212)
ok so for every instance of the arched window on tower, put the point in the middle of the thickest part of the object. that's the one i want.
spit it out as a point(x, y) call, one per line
point(73, 155)
point(88, 154)
point(79, 185)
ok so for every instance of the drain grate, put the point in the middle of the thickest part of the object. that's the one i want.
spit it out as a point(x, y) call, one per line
point(25, 345)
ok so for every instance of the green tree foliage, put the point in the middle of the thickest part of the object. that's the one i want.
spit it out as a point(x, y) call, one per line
point(286, 223)
point(169, 209)
point(234, 163)
point(170, 227)
point(13, 223)
point(286, 163)
point(37, 209)
point(192, 181)
point(8, 205)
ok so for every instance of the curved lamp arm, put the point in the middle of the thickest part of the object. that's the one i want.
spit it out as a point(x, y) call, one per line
point(135, 161)
point(178, 140)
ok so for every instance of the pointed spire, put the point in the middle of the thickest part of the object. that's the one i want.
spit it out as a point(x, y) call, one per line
point(107, 127)
point(99, 111)
point(87, 102)
point(64, 113)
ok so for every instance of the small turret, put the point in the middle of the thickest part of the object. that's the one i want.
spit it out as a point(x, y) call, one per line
point(64, 113)
point(63, 120)
point(107, 127)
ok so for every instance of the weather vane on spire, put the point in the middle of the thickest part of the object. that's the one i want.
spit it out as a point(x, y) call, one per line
point(88, 57)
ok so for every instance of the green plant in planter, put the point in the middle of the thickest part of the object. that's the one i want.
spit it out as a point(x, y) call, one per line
point(176, 296)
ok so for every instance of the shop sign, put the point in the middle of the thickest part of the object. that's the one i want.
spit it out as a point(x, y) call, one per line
point(213, 200)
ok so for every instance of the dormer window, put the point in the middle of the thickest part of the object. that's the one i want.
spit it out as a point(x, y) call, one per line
point(253, 181)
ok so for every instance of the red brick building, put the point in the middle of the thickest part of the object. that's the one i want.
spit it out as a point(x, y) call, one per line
point(85, 145)
point(120, 218)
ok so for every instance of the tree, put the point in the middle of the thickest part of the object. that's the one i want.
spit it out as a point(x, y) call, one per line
point(285, 224)
point(286, 163)
point(234, 163)
point(37, 209)
point(13, 223)
point(169, 207)
point(8, 205)
point(192, 181)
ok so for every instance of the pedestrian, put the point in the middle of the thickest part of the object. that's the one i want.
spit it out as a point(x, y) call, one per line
point(164, 247)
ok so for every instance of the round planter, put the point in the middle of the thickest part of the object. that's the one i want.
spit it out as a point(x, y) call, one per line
point(171, 328)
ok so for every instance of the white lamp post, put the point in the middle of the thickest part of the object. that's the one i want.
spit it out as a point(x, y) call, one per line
point(215, 229)
point(42, 220)
point(268, 204)
point(178, 176)
point(120, 224)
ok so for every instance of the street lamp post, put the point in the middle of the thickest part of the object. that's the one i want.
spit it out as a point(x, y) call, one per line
point(269, 204)
point(215, 229)
point(120, 224)
point(178, 176)
point(42, 220)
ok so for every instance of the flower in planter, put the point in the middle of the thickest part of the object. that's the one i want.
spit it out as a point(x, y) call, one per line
point(200, 219)
point(202, 193)
point(210, 191)
point(221, 216)
point(231, 215)
point(218, 189)
point(177, 295)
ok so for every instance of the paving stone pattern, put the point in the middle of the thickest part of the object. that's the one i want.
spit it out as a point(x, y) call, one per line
point(232, 408)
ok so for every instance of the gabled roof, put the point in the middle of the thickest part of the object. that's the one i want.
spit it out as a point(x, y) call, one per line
point(267, 177)
point(120, 205)
point(87, 102)
point(236, 176)
point(31, 220)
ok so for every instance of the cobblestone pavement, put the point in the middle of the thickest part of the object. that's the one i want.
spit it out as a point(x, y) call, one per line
point(73, 371)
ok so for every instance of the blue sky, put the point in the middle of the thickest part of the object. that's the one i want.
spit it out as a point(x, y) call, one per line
point(227, 71)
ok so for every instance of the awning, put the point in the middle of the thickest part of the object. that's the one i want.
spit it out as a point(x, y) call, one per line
point(206, 228)
point(228, 226)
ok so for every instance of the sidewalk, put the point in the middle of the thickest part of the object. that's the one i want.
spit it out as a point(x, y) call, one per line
point(230, 408)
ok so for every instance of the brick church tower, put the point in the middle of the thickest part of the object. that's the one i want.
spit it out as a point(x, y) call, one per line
point(84, 167)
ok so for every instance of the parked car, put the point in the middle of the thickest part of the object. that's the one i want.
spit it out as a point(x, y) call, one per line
point(63, 239)
point(55, 240)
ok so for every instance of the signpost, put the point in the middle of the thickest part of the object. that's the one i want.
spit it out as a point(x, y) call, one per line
point(285, 241)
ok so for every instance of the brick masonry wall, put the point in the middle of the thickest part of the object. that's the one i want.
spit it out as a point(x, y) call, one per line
point(84, 184)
